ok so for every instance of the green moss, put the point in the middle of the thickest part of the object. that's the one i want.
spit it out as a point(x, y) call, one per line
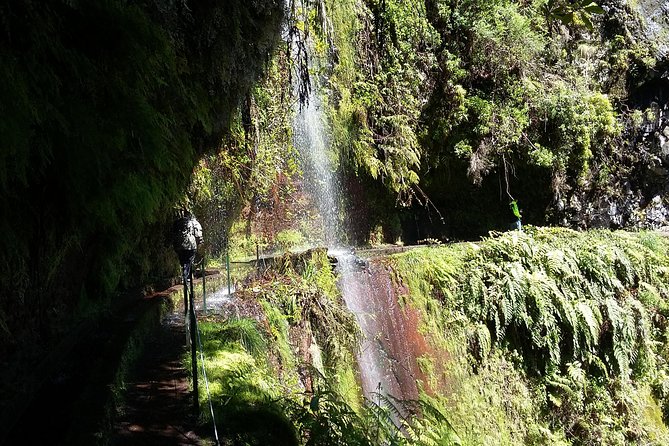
point(279, 327)
point(345, 383)
point(253, 382)
point(572, 360)
point(652, 418)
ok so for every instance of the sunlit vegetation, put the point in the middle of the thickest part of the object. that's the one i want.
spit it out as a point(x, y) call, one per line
point(269, 387)
point(447, 90)
point(114, 113)
point(566, 331)
point(441, 109)
point(547, 336)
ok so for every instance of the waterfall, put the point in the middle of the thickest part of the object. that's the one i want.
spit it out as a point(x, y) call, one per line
point(311, 139)
point(385, 366)
point(386, 358)
point(358, 292)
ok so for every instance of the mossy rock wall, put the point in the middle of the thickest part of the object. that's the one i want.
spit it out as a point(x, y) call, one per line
point(107, 106)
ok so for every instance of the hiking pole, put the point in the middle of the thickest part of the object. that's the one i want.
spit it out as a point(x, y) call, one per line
point(184, 279)
point(204, 288)
point(185, 273)
point(193, 349)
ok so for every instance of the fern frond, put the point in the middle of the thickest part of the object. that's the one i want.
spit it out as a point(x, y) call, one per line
point(648, 294)
point(567, 314)
point(590, 323)
point(623, 345)
point(624, 269)
point(596, 361)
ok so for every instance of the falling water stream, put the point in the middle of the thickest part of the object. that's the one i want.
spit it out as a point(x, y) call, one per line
point(386, 360)
point(311, 139)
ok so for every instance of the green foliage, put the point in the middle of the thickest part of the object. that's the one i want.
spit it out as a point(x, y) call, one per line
point(328, 420)
point(583, 311)
point(380, 87)
point(590, 119)
point(279, 329)
point(289, 238)
point(257, 397)
point(307, 291)
point(430, 99)
point(245, 332)
point(538, 291)
point(244, 390)
point(547, 336)
point(524, 88)
point(571, 13)
point(254, 170)
point(510, 102)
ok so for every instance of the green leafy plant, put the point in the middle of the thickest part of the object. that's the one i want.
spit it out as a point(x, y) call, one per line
point(571, 12)
point(581, 309)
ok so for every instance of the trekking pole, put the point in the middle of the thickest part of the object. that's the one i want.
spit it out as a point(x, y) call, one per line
point(193, 350)
point(184, 279)
point(204, 288)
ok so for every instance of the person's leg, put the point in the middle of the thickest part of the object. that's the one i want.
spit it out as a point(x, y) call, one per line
point(186, 260)
point(192, 294)
point(184, 279)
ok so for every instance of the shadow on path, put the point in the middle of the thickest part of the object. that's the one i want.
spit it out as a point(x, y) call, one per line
point(157, 408)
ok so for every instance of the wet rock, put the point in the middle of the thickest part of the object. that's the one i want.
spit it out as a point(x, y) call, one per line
point(656, 213)
point(654, 13)
point(663, 152)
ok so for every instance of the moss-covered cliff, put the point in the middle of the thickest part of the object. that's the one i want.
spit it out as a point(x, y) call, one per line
point(439, 112)
point(459, 105)
point(106, 107)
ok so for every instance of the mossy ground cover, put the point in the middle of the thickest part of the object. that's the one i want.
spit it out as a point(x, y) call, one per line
point(281, 366)
point(282, 355)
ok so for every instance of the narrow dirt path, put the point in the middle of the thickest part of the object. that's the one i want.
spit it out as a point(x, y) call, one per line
point(158, 404)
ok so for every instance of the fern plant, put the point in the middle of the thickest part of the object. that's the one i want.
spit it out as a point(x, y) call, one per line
point(585, 312)
point(563, 296)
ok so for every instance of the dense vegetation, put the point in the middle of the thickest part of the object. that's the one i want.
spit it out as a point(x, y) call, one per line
point(439, 112)
point(467, 103)
point(545, 337)
point(581, 318)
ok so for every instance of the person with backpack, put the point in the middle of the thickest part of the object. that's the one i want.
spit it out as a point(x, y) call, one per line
point(186, 237)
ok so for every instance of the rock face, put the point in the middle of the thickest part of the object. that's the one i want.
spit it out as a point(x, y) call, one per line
point(636, 193)
point(391, 340)
point(635, 190)
point(656, 17)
